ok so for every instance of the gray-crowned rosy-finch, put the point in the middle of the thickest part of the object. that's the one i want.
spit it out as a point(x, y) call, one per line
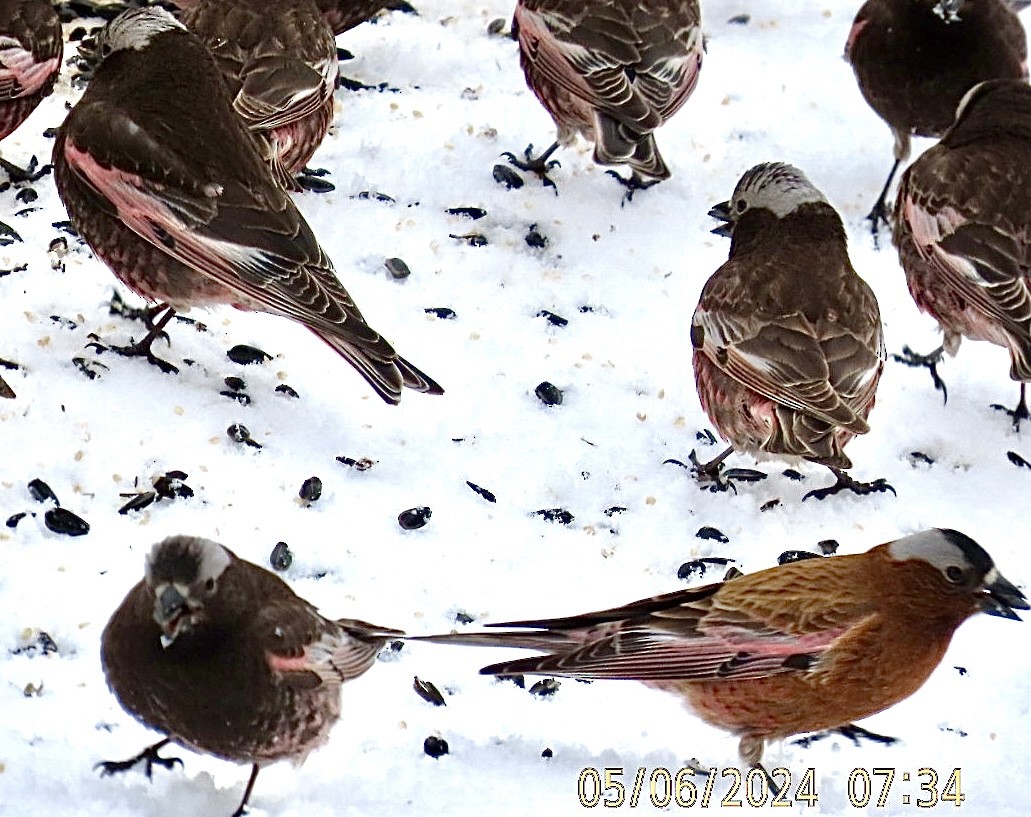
point(787, 338)
point(962, 225)
point(167, 186)
point(914, 60)
point(222, 657)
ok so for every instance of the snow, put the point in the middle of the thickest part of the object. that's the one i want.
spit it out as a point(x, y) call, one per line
point(627, 279)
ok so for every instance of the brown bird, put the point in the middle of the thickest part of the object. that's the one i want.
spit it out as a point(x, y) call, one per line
point(279, 61)
point(222, 657)
point(962, 226)
point(787, 338)
point(168, 188)
point(611, 71)
point(31, 46)
point(915, 59)
point(808, 646)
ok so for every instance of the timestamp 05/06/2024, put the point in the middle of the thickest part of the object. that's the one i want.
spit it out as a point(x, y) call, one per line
point(689, 787)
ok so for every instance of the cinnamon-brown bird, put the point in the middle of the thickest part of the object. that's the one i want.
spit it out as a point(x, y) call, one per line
point(222, 657)
point(788, 347)
point(807, 646)
point(611, 71)
point(915, 59)
point(167, 186)
point(962, 226)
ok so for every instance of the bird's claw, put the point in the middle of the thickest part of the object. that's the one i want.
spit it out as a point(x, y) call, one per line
point(150, 758)
point(141, 349)
point(706, 473)
point(844, 482)
point(633, 184)
point(539, 165)
point(1017, 414)
point(852, 731)
point(929, 361)
point(878, 216)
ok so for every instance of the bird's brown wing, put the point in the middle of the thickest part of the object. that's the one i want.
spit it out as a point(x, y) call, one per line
point(713, 632)
point(307, 650)
point(246, 234)
point(587, 49)
point(822, 368)
point(978, 243)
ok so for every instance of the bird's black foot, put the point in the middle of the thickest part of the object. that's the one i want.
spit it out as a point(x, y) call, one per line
point(138, 349)
point(929, 361)
point(843, 482)
point(1019, 413)
point(539, 165)
point(149, 756)
point(856, 734)
point(146, 314)
point(712, 475)
point(877, 217)
point(25, 175)
point(633, 184)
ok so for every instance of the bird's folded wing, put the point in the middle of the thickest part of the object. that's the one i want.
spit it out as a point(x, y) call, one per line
point(20, 73)
point(279, 90)
point(249, 238)
point(786, 360)
point(989, 263)
point(587, 56)
point(308, 651)
point(655, 650)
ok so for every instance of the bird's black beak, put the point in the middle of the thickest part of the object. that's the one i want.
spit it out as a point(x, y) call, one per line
point(721, 212)
point(1002, 597)
point(170, 609)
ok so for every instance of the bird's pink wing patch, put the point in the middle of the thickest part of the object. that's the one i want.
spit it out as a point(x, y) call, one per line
point(20, 74)
point(141, 207)
point(647, 653)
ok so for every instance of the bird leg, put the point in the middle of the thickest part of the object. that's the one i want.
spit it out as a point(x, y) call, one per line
point(242, 808)
point(929, 361)
point(539, 165)
point(879, 214)
point(149, 756)
point(843, 482)
point(1020, 412)
point(633, 184)
point(708, 471)
point(142, 348)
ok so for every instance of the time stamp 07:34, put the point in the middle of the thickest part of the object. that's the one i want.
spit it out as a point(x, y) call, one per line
point(613, 787)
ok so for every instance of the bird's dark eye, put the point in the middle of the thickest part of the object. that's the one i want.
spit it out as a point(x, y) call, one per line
point(105, 50)
point(954, 574)
point(740, 206)
point(209, 585)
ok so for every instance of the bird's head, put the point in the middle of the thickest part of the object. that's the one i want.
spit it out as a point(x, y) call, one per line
point(775, 186)
point(131, 30)
point(183, 574)
point(964, 570)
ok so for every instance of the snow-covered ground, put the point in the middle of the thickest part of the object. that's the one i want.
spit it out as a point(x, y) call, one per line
point(626, 279)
